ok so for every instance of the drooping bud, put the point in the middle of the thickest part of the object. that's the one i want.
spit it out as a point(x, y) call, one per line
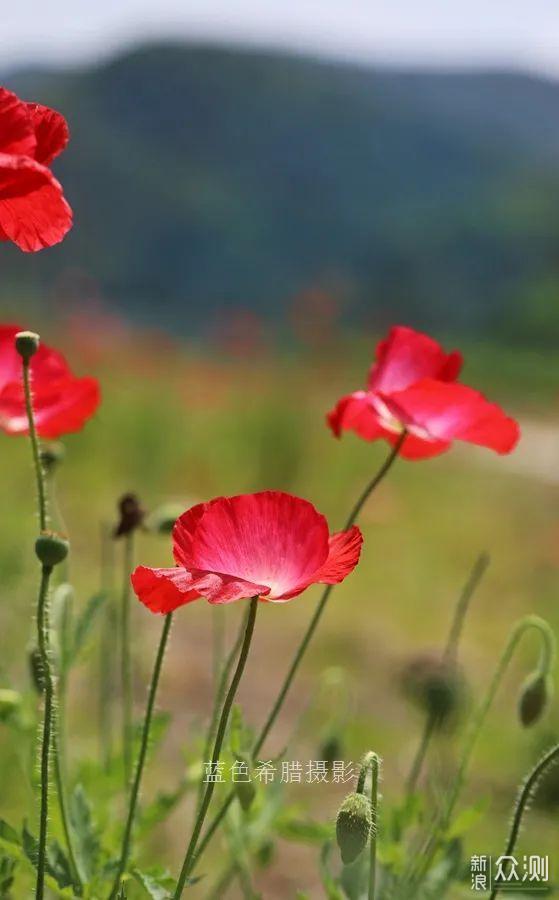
point(36, 669)
point(27, 344)
point(51, 548)
point(162, 519)
point(10, 702)
point(131, 515)
point(436, 686)
point(534, 698)
point(51, 456)
point(353, 826)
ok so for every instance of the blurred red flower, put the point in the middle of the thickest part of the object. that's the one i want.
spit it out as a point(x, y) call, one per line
point(412, 385)
point(33, 211)
point(62, 403)
point(270, 544)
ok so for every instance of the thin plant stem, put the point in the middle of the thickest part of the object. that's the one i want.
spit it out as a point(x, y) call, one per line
point(219, 697)
point(126, 842)
point(125, 660)
point(49, 737)
point(449, 656)
point(375, 772)
point(546, 662)
point(307, 637)
point(220, 735)
point(526, 793)
point(108, 649)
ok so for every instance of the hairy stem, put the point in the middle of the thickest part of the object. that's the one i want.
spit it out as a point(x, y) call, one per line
point(220, 735)
point(142, 754)
point(125, 660)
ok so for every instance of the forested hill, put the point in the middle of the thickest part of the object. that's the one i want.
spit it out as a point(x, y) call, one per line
point(205, 178)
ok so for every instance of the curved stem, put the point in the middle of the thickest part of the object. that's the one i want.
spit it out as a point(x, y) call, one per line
point(47, 729)
point(307, 637)
point(526, 793)
point(546, 662)
point(449, 656)
point(125, 662)
point(142, 754)
point(34, 440)
point(220, 734)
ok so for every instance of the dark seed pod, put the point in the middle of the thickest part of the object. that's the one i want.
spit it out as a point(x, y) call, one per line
point(27, 344)
point(353, 826)
point(436, 686)
point(534, 699)
point(51, 548)
point(131, 515)
point(36, 669)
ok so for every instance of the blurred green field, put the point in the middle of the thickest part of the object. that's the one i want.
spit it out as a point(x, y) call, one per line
point(185, 424)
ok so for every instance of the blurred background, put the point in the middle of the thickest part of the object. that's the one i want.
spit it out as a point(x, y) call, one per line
point(259, 192)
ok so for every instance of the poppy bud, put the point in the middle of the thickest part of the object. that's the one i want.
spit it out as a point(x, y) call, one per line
point(36, 669)
point(162, 519)
point(27, 344)
point(10, 701)
point(353, 826)
point(51, 455)
point(436, 686)
point(330, 749)
point(51, 548)
point(534, 698)
point(131, 515)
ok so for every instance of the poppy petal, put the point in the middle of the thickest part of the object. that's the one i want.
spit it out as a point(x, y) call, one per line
point(407, 356)
point(60, 407)
point(51, 132)
point(164, 590)
point(355, 412)
point(16, 129)
point(452, 411)
point(33, 211)
point(343, 556)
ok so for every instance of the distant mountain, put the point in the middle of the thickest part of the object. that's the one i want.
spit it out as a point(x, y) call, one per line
point(205, 178)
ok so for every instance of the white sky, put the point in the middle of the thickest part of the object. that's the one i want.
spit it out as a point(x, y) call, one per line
point(514, 33)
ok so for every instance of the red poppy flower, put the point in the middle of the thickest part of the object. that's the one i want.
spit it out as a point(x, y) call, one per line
point(271, 544)
point(412, 385)
point(62, 403)
point(33, 211)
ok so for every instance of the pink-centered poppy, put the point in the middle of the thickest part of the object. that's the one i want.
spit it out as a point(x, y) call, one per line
point(33, 211)
point(272, 545)
point(62, 403)
point(412, 385)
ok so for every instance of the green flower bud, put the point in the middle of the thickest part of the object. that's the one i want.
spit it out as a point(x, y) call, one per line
point(330, 749)
point(36, 669)
point(435, 686)
point(10, 701)
point(534, 698)
point(353, 826)
point(51, 548)
point(27, 344)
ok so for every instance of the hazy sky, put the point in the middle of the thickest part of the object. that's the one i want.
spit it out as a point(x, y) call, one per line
point(518, 33)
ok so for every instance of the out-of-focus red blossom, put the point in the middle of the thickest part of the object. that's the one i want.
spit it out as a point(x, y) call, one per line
point(33, 211)
point(412, 385)
point(62, 403)
point(272, 545)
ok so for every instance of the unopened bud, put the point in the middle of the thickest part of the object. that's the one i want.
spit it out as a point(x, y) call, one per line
point(51, 548)
point(27, 344)
point(353, 826)
point(162, 519)
point(436, 686)
point(131, 515)
point(331, 749)
point(10, 701)
point(534, 698)
point(36, 669)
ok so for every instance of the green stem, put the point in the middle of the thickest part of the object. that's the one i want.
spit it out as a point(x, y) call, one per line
point(526, 793)
point(125, 661)
point(307, 637)
point(47, 729)
point(220, 735)
point(449, 656)
point(142, 754)
point(34, 439)
point(546, 662)
point(108, 649)
point(375, 771)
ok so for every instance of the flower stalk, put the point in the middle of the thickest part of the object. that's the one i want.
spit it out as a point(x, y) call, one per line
point(220, 735)
point(125, 660)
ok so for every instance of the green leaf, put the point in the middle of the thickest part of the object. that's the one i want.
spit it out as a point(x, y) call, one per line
point(61, 619)
point(156, 887)
point(7, 869)
point(304, 830)
point(466, 819)
point(158, 810)
point(56, 862)
point(87, 839)
point(85, 622)
point(9, 834)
